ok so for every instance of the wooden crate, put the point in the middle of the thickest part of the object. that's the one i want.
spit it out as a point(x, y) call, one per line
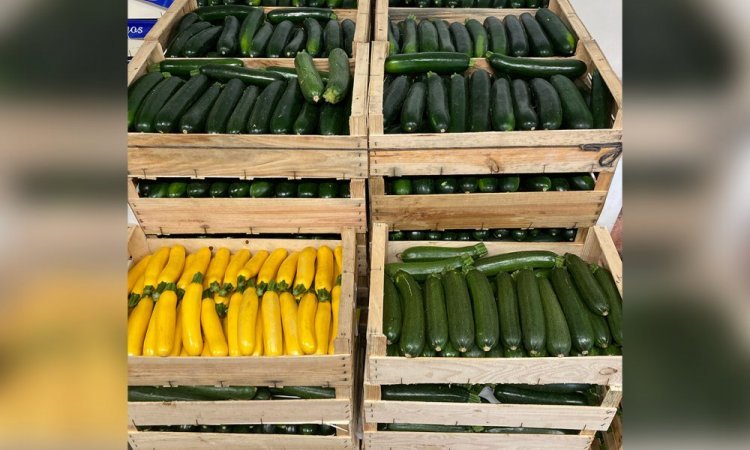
point(253, 155)
point(571, 209)
point(612, 438)
point(539, 151)
point(383, 14)
point(250, 215)
point(335, 370)
point(385, 370)
point(162, 30)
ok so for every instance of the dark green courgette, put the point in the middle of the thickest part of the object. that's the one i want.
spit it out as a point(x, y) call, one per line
point(218, 13)
point(498, 38)
point(412, 112)
point(169, 115)
point(217, 119)
point(575, 311)
point(194, 120)
point(261, 189)
point(249, 27)
point(414, 427)
point(479, 113)
point(576, 114)
point(506, 393)
point(412, 338)
point(429, 253)
point(518, 43)
point(445, 44)
point(421, 270)
point(540, 183)
point(517, 353)
point(539, 45)
point(437, 104)
point(307, 189)
point(145, 120)
point(507, 305)
point(526, 118)
point(260, 40)
point(314, 33)
point(508, 262)
point(309, 78)
point(410, 43)
point(227, 43)
point(139, 91)
point(561, 37)
point(287, 109)
point(202, 42)
point(218, 189)
point(602, 336)
point(487, 185)
point(601, 101)
point(536, 67)
point(298, 15)
point(548, 105)
point(332, 37)
point(256, 77)
point(392, 309)
point(307, 120)
point(295, 44)
point(260, 117)
point(187, 67)
point(531, 312)
point(461, 39)
point(394, 98)
point(435, 315)
point(237, 122)
point(501, 106)
point(458, 308)
point(339, 79)
point(306, 392)
point(449, 351)
point(556, 328)
point(591, 293)
point(348, 28)
point(427, 37)
point(614, 299)
point(280, 37)
point(473, 352)
point(423, 186)
point(438, 62)
point(478, 36)
point(197, 189)
point(458, 104)
point(178, 44)
point(486, 326)
point(332, 119)
point(287, 189)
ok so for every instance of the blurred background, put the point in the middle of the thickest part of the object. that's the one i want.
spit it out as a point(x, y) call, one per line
point(62, 223)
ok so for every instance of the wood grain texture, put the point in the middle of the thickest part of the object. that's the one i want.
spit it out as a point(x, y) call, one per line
point(472, 441)
point(486, 414)
point(240, 412)
point(230, 441)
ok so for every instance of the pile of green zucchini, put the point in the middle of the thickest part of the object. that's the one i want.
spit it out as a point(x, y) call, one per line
point(451, 302)
point(470, 3)
point(216, 393)
point(238, 30)
point(489, 184)
point(234, 188)
point(339, 4)
point(223, 96)
point(542, 35)
point(305, 429)
point(497, 234)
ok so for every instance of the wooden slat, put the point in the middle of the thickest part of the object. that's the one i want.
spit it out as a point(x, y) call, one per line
point(254, 245)
point(487, 414)
point(240, 412)
point(344, 341)
point(244, 141)
point(231, 441)
point(477, 441)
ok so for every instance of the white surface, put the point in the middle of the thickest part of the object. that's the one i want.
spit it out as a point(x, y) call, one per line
point(138, 9)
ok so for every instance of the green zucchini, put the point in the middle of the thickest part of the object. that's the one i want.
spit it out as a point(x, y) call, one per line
point(237, 122)
point(601, 101)
point(445, 44)
point(256, 77)
point(422, 269)
point(479, 114)
point(187, 20)
point(420, 428)
point(560, 184)
point(187, 67)
point(583, 182)
point(309, 429)
point(501, 106)
point(412, 111)
point(591, 293)
point(227, 43)
point(402, 186)
point(309, 78)
point(394, 99)
point(508, 262)
point(602, 336)
point(517, 353)
point(518, 235)
point(427, 37)
point(178, 44)
point(349, 28)
point(429, 253)
point(218, 13)
point(305, 392)
point(339, 79)
point(473, 352)
point(392, 349)
point(314, 33)
point(506, 393)
point(280, 37)
point(260, 117)
point(393, 46)
point(217, 119)
point(523, 430)
point(486, 326)
point(526, 117)
point(218, 189)
point(307, 120)
point(139, 91)
point(487, 185)
point(295, 44)
point(435, 314)
point(410, 43)
point(202, 42)
point(556, 328)
point(478, 36)
point(415, 235)
point(159, 394)
point(561, 37)
point(287, 189)
point(576, 315)
point(239, 189)
point(468, 185)
point(463, 236)
point(507, 305)
point(423, 186)
point(548, 105)
point(328, 189)
point(287, 109)
point(614, 299)
point(438, 62)
point(412, 338)
point(531, 312)
point(498, 38)
point(298, 15)
point(307, 189)
point(145, 120)
point(449, 351)
point(392, 309)
point(176, 189)
point(568, 235)
point(458, 307)
point(261, 189)
point(576, 113)
point(495, 352)
point(461, 39)
point(220, 392)
point(444, 185)
point(249, 27)
point(260, 40)
point(539, 45)
point(437, 105)
point(458, 104)
point(536, 67)
point(332, 119)
point(518, 43)
point(428, 352)
point(169, 115)
point(332, 37)
point(434, 235)
point(197, 189)
point(540, 183)
point(557, 388)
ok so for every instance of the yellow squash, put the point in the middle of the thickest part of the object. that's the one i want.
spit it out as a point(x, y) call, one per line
point(192, 339)
point(166, 321)
point(200, 265)
point(183, 353)
point(172, 271)
point(248, 317)
point(251, 269)
point(153, 269)
point(149, 342)
point(306, 323)
point(324, 274)
point(322, 327)
point(186, 276)
point(138, 324)
point(272, 334)
point(137, 291)
point(285, 275)
point(137, 271)
point(339, 257)
point(268, 271)
point(177, 349)
point(232, 332)
point(305, 271)
point(212, 330)
point(216, 270)
point(237, 262)
point(258, 350)
point(335, 304)
point(289, 323)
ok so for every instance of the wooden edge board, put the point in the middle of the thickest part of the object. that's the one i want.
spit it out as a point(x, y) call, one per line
point(234, 441)
point(472, 441)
